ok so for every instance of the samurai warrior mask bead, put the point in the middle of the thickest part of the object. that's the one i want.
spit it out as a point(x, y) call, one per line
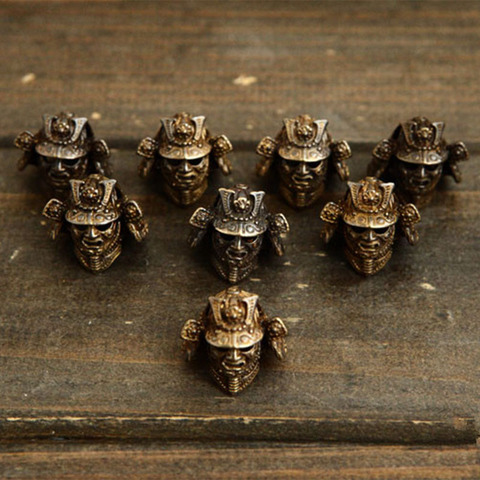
point(96, 213)
point(368, 217)
point(184, 153)
point(65, 149)
point(238, 223)
point(415, 157)
point(303, 152)
point(233, 326)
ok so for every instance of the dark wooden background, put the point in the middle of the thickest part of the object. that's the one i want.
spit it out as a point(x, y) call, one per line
point(382, 379)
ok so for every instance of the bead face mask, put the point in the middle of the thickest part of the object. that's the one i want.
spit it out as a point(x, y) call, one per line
point(234, 256)
point(58, 172)
point(97, 246)
point(234, 368)
point(368, 249)
point(416, 180)
point(302, 179)
point(184, 174)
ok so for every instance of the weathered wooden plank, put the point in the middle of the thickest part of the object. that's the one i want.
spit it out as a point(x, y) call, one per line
point(392, 358)
point(41, 425)
point(363, 66)
point(238, 461)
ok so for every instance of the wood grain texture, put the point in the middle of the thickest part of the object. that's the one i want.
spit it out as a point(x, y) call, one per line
point(364, 66)
point(87, 360)
point(393, 358)
point(238, 461)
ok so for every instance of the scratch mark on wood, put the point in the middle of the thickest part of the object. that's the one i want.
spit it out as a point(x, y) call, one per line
point(14, 255)
point(28, 78)
point(245, 80)
point(293, 319)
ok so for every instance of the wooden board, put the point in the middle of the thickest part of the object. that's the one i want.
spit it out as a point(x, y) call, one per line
point(392, 358)
point(238, 461)
point(90, 359)
point(245, 65)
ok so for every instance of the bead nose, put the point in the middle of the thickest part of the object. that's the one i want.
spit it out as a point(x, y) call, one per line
point(185, 167)
point(421, 176)
point(302, 168)
point(236, 249)
point(369, 239)
point(235, 358)
point(92, 232)
point(370, 235)
point(58, 166)
point(238, 243)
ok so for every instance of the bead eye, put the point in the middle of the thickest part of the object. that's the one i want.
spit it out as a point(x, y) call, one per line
point(246, 349)
point(71, 162)
point(226, 237)
point(292, 163)
point(195, 161)
point(47, 159)
point(410, 166)
point(174, 162)
point(104, 227)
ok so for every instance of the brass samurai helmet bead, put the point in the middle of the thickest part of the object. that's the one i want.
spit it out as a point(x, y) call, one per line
point(368, 216)
point(65, 149)
point(233, 326)
point(184, 153)
point(95, 213)
point(303, 151)
point(415, 157)
point(237, 223)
